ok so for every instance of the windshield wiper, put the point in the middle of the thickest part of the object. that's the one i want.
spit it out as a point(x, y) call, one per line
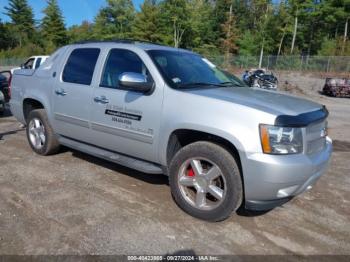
point(229, 84)
point(201, 84)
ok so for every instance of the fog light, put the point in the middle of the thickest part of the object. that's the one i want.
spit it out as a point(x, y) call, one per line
point(286, 192)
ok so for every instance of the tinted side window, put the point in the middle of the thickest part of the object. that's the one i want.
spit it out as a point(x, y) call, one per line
point(120, 61)
point(80, 66)
point(29, 64)
point(37, 63)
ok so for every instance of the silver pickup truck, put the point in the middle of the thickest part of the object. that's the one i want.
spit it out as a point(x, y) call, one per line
point(162, 110)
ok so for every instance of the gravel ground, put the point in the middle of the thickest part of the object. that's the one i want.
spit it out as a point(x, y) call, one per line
point(72, 203)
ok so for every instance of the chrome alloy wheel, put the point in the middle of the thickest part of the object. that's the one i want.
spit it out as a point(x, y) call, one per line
point(37, 133)
point(202, 183)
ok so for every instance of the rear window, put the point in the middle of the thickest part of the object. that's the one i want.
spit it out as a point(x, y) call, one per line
point(80, 66)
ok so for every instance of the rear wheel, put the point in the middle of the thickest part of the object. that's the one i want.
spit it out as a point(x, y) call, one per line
point(205, 181)
point(40, 135)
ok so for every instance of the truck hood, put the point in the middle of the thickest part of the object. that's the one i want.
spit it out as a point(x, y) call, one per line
point(268, 101)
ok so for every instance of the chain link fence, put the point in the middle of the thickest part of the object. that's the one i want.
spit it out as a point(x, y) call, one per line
point(8, 63)
point(5, 62)
point(339, 64)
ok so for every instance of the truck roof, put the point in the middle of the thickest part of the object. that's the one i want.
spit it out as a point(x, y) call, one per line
point(132, 43)
point(37, 56)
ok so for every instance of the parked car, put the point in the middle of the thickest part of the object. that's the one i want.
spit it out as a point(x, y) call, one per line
point(337, 87)
point(32, 62)
point(158, 109)
point(2, 103)
point(5, 78)
point(260, 78)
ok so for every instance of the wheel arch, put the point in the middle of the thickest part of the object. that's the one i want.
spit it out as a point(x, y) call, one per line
point(183, 136)
point(30, 104)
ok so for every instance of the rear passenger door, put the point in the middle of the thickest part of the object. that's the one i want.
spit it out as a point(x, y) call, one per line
point(72, 94)
point(126, 121)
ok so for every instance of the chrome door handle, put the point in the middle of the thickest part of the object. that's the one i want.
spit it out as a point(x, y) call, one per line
point(101, 100)
point(60, 92)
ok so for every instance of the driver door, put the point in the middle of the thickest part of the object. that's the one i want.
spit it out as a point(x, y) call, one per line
point(126, 121)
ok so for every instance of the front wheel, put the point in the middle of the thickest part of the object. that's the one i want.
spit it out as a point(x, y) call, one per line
point(205, 181)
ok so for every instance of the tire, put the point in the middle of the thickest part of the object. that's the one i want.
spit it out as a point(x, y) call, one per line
point(193, 191)
point(2, 111)
point(40, 135)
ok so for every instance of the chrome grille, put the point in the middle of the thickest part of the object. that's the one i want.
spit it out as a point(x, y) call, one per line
point(315, 138)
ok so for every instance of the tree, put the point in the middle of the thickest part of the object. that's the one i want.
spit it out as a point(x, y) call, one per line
point(298, 9)
point(201, 24)
point(228, 43)
point(282, 25)
point(212, 28)
point(221, 8)
point(175, 22)
point(82, 32)
point(262, 17)
point(248, 44)
point(115, 20)
point(53, 28)
point(22, 18)
point(345, 34)
point(337, 14)
point(7, 39)
point(328, 47)
point(146, 25)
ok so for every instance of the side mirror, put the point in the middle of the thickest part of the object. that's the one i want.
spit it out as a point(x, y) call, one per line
point(135, 82)
point(22, 66)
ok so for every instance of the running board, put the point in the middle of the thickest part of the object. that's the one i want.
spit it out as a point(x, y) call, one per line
point(137, 164)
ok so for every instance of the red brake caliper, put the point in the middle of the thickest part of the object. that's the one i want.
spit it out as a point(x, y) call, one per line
point(190, 172)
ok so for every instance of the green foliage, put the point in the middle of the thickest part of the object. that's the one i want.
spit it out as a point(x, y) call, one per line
point(115, 20)
point(52, 28)
point(208, 50)
point(7, 38)
point(146, 23)
point(205, 26)
point(334, 47)
point(78, 33)
point(22, 18)
point(248, 44)
point(230, 34)
point(201, 25)
point(22, 51)
point(220, 10)
point(328, 47)
point(175, 22)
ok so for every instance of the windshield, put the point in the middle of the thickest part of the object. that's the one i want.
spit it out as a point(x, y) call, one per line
point(187, 70)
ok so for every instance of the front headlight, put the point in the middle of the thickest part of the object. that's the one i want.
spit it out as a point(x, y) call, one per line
point(281, 140)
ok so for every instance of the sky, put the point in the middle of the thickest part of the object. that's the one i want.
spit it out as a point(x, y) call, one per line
point(74, 11)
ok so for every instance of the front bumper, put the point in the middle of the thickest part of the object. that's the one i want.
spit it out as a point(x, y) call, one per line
point(271, 180)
